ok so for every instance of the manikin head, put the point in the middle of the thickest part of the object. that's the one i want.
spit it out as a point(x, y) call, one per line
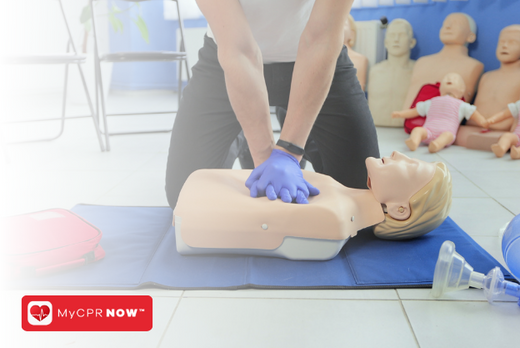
point(508, 48)
point(452, 84)
point(349, 32)
point(399, 38)
point(417, 194)
point(458, 29)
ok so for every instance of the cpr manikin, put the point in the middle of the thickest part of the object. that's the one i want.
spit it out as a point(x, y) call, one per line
point(443, 116)
point(509, 140)
point(360, 61)
point(458, 30)
point(389, 80)
point(215, 214)
point(496, 89)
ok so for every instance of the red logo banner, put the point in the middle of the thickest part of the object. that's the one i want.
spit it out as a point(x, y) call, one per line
point(87, 313)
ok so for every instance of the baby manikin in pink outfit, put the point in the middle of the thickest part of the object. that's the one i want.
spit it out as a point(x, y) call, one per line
point(443, 116)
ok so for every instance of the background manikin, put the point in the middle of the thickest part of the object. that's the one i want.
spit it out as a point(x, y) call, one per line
point(458, 30)
point(389, 80)
point(360, 61)
point(497, 88)
point(443, 115)
point(509, 140)
point(415, 194)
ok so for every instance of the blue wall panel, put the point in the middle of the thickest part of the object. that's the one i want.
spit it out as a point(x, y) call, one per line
point(491, 16)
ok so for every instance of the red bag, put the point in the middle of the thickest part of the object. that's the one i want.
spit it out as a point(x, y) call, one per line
point(426, 92)
point(49, 241)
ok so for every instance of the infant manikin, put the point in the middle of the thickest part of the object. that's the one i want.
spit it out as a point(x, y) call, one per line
point(215, 213)
point(509, 140)
point(443, 115)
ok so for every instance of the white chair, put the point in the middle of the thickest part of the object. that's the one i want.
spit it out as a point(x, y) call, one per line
point(146, 56)
point(70, 57)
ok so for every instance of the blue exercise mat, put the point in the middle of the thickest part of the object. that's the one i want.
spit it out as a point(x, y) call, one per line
point(140, 252)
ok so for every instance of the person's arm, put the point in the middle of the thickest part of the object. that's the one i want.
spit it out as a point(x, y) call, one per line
point(241, 60)
point(410, 113)
point(318, 50)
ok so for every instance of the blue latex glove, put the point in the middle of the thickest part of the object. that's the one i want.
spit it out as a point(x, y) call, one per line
point(280, 176)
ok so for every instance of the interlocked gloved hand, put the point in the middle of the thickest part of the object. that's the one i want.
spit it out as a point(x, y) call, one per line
point(280, 176)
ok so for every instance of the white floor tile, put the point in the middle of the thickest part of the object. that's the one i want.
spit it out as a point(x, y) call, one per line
point(511, 204)
point(479, 216)
point(464, 324)
point(503, 183)
point(223, 322)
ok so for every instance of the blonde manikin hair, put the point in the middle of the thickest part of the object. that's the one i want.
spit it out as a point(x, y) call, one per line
point(429, 207)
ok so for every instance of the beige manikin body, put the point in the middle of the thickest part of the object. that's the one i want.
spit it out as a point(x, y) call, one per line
point(455, 34)
point(215, 214)
point(389, 80)
point(496, 90)
point(360, 61)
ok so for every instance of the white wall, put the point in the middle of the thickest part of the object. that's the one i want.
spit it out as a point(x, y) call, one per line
point(37, 27)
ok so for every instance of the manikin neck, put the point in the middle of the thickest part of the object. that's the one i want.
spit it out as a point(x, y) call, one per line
point(399, 61)
point(513, 66)
point(454, 50)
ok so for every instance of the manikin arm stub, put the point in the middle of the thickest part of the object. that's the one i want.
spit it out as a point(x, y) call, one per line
point(479, 119)
point(409, 113)
point(500, 116)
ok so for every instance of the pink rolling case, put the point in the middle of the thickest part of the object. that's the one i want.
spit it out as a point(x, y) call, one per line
point(48, 241)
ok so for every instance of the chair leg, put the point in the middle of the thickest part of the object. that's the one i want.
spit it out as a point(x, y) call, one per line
point(99, 82)
point(95, 116)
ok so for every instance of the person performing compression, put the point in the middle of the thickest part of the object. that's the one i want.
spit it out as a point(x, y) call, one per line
point(290, 54)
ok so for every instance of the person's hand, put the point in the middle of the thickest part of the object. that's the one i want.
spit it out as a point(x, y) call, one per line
point(280, 177)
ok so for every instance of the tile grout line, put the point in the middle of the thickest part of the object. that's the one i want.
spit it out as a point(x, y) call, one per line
point(407, 319)
point(170, 321)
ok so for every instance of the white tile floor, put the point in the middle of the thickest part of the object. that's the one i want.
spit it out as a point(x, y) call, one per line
point(72, 170)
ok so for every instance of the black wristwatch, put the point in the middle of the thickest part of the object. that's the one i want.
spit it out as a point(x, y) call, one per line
point(294, 149)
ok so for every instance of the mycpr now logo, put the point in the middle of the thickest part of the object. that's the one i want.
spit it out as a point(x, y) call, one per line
point(87, 313)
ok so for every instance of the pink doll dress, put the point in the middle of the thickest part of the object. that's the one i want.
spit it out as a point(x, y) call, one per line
point(443, 114)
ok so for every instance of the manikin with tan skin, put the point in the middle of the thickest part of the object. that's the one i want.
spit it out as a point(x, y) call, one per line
point(458, 30)
point(509, 140)
point(406, 199)
point(360, 61)
point(443, 116)
point(496, 89)
point(389, 80)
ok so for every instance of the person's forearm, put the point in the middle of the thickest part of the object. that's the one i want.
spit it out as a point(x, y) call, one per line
point(248, 96)
point(312, 77)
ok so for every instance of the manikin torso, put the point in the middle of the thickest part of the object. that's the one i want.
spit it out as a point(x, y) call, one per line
point(496, 89)
point(215, 210)
point(452, 58)
point(387, 89)
point(360, 61)
point(389, 80)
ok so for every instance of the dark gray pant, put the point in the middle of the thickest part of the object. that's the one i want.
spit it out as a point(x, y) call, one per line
point(205, 126)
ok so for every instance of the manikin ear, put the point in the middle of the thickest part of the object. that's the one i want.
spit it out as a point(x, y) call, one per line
point(471, 38)
point(398, 211)
point(413, 42)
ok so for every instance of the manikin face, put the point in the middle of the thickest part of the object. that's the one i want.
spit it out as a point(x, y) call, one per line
point(397, 40)
point(456, 31)
point(394, 180)
point(453, 85)
point(508, 48)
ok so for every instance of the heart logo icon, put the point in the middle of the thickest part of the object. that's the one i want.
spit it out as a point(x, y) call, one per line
point(40, 312)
